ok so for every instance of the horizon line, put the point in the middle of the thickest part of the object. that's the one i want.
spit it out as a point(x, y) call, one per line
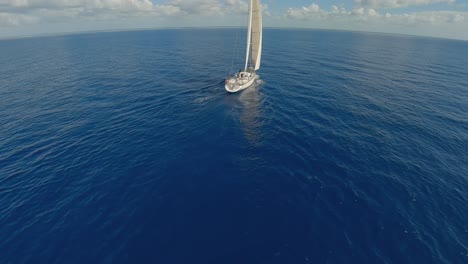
point(70, 33)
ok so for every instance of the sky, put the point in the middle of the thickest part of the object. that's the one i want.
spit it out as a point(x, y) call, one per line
point(434, 18)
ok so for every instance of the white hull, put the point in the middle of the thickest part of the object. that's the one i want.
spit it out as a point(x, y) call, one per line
point(234, 84)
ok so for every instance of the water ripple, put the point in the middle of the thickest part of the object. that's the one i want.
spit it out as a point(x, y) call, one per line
point(123, 147)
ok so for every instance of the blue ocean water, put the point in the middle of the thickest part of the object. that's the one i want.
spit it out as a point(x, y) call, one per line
point(124, 147)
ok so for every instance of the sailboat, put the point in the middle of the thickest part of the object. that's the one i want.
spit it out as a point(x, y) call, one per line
point(245, 78)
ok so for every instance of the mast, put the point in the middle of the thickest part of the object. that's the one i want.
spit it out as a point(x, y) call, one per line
point(249, 35)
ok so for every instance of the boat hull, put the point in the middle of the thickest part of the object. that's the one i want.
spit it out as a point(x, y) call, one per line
point(239, 85)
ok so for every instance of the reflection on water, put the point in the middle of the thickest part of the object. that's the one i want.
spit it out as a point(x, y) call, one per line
point(246, 110)
point(250, 113)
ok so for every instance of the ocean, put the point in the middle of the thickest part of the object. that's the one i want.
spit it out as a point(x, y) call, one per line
point(124, 147)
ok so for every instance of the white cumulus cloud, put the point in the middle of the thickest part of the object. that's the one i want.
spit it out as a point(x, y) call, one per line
point(18, 12)
point(447, 24)
point(398, 3)
point(7, 19)
point(359, 14)
point(88, 4)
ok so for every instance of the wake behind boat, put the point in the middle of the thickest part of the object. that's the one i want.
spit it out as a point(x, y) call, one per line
point(245, 78)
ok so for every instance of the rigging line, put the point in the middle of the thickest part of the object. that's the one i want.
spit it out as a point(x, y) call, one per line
point(235, 52)
point(242, 17)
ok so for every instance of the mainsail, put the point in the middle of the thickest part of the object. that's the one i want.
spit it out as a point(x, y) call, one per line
point(254, 35)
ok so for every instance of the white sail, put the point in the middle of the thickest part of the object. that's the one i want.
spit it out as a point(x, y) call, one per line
point(256, 28)
point(249, 35)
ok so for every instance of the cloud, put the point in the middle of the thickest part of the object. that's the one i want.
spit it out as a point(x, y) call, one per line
point(197, 6)
point(18, 12)
point(128, 5)
point(371, 15)
point(398, 3)
point(23, 12)
point(7, 19)
point(374, 15)
point(445, 24)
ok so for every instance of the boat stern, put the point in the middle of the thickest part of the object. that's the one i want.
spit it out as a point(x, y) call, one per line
point(239, 82)
point(230, 84)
